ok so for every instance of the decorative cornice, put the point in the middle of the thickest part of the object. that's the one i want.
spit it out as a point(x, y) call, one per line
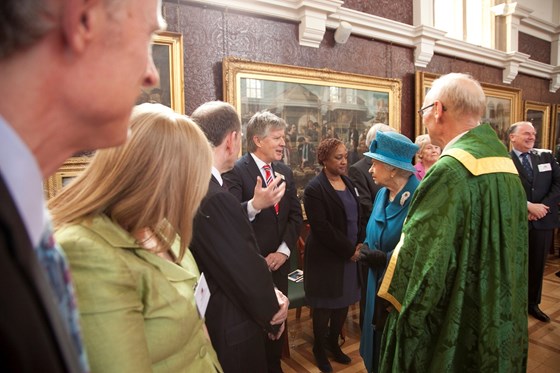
point(373, 27)
point(425, 39)
point(555, 81)
point(315, 16)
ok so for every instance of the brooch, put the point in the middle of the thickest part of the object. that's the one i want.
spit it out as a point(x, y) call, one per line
point(404, 197)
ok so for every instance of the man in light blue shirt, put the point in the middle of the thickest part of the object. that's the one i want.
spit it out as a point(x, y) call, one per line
point(71, 72)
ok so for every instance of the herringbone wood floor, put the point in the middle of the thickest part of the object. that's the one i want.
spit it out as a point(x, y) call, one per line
point(544, 338)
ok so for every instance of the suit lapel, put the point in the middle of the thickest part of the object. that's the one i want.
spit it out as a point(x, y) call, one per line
point(253, 169)
point(24, 254)
point(534, 163)
point(520, 169)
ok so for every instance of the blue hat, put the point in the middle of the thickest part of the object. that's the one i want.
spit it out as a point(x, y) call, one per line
point(393, 149)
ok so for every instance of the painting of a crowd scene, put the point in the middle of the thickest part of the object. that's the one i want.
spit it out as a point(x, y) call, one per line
point(316, 104)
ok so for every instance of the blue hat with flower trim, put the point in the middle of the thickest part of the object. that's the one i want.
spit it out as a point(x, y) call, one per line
point(393, 149)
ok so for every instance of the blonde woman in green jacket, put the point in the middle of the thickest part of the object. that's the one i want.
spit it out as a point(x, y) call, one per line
point(119, 224)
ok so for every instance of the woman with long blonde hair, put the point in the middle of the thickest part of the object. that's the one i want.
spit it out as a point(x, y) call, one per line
point(125, 224)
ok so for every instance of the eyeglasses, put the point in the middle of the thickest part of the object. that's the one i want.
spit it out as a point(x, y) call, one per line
point(421, 111)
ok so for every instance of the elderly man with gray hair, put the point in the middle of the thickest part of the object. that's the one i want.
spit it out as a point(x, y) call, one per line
point(457, 280)
point(71, 73)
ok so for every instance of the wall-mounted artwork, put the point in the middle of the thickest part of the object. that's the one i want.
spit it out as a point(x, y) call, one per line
point(167, 53)
point(503, 104)
point(555, 134)
point(315, 103)
point(64, 175)
point(538, 114)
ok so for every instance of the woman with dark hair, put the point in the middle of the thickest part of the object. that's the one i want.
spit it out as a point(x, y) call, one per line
point(332, 248)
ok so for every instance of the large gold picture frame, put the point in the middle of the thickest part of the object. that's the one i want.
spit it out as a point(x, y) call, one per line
point(503, 104)
point(68, 171)
point(315, 103)
point(555, 131)
point(538, 114)
point(167, 52)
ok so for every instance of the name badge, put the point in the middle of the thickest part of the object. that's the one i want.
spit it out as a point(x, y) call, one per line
point(201, 295)
point(545, 167)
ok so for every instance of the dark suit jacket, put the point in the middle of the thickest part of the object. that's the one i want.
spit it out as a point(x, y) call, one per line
point(543, 187)
point(327, 246)
point(270, 229)
point(33, 337)
point(367, 189)
point(243, 300)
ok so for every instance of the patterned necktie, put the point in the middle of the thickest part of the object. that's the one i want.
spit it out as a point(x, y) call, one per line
point(526, 164)
point(55, 264)
point(268, 180)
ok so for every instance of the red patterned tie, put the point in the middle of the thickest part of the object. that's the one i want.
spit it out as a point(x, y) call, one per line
point(268, 180)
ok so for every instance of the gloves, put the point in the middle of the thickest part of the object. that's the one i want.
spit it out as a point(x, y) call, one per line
point(376, 259)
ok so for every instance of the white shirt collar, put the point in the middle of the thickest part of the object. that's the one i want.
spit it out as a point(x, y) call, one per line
point(260, 163)
point(23, 179)
point(217, 175)
point(518, 153)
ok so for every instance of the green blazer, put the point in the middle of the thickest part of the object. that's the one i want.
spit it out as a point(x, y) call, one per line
point(137, 309)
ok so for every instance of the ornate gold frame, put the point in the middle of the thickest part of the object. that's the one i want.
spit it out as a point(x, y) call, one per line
point(69, 170)
point(169, 62)
point(494, 94)
point(235, 69)
point(555, 127)
point(531, 112)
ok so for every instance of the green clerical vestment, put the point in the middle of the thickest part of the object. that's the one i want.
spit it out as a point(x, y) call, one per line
point(458, 278)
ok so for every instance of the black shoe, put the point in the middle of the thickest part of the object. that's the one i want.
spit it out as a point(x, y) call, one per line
point(536, 312)
point(339, 356)
point(321, 358)
point(557, 274)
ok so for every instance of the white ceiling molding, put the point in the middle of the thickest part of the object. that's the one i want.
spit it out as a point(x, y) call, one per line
point(313, 16)
point(536, 27)
point(424, 44)
point(316, 16)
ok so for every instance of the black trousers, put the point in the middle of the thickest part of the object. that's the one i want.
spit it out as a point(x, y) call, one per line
point(539, 246)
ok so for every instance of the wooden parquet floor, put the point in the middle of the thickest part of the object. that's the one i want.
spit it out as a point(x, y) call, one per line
point(544, 338)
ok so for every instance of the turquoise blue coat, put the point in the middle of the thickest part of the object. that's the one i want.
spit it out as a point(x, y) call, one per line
point(382, 233)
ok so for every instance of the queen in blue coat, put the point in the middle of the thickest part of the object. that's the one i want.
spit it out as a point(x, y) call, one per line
point(391, 168)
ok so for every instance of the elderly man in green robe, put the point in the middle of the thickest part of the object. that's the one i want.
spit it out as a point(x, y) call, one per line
point(457, 280)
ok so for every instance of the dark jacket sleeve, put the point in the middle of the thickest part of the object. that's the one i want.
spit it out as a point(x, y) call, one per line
point(364, 195)
point(295, 218)
point(553, 194)
point(226, 250)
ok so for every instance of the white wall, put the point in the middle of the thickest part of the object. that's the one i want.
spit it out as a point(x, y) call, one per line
point(545, 10)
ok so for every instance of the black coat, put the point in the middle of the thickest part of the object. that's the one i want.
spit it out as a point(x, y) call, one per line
point(543, 187)
point(327, 247)
point(270, 229)
point(32, 333)
point(367, 189)
point(243, 300)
